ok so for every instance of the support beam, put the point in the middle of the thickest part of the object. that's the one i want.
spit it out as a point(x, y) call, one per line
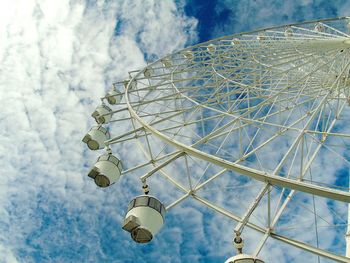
point(253, 173)
point(287, 240)
point(347, 235)
point(159, 167)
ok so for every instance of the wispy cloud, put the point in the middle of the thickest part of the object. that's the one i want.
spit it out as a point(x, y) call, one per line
point(234, 16)
point(57, 59)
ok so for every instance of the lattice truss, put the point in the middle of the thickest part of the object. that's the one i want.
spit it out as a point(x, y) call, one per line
point(254, 126)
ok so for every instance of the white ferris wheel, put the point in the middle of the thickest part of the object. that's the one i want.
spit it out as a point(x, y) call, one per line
point(254, 126)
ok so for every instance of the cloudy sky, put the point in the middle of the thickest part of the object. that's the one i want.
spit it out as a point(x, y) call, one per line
point(57, 59)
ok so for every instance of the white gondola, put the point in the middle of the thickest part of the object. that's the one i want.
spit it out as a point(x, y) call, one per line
point(96, 137)
point(243, 258)
point(102, 114)
point(106, 170)
point(234, 41)
point(132, 84)
point(188, 54)
point(144, 218)
point(288, 32)
point(211, 48)
point(319, 27)
point(166, 62)
point(261, 37)
point(148, 72)
point(114, 96)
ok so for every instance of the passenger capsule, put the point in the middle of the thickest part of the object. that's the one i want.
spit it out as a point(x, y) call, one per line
point(132, 84)
point(288, 32)
point(114, 96)
point(144, 218)
point(148, 72)
point(102, 114)
point(166, 62)
point(96, 137)
point(260, 37)
point(188, 54)
point(234, 41)
point(319, 27)
point(243, 258)
point(211, 48)
point(106, 170)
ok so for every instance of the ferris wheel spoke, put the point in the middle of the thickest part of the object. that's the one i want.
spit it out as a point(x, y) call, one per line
point(246, 155)
point(309, 58)
point(176, 202)
point(313, 62)
point(115, 139)
point(320, 33)
point(156, 159)
point(336, 30)
point(300, 34)
point(259, 123)
point(335, 153)
point(307, 227)
point(300, 136)
point(271, 97)
point(319, 145)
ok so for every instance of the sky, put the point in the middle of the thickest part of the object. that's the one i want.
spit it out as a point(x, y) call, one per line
point(57, 59)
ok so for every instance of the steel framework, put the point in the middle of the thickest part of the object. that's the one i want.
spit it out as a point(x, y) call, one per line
point(259, 117)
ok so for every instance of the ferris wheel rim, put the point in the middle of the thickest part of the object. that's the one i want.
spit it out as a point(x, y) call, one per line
point(253, 173)
point(255, 31)
point(269, 232)
point(293, 242)
point(239, 34)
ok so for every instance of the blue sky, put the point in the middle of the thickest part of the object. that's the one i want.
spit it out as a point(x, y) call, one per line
point(57, 59)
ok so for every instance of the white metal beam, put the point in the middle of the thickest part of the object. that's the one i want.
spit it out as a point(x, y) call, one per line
point(289, 241)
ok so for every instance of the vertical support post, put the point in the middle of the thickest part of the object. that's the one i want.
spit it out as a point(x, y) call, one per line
point(269, 207)
point(347, 235)
point(239, 227)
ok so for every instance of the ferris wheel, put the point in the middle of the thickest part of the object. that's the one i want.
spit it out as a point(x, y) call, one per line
point(254, 126)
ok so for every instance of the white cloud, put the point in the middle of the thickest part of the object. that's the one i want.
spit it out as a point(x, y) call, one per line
point(7, 255)
point(57, 60)
point(251, 15)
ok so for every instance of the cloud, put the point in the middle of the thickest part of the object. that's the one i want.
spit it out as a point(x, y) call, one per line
point(7, 255)
point(57, 60)
point(234, 16)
